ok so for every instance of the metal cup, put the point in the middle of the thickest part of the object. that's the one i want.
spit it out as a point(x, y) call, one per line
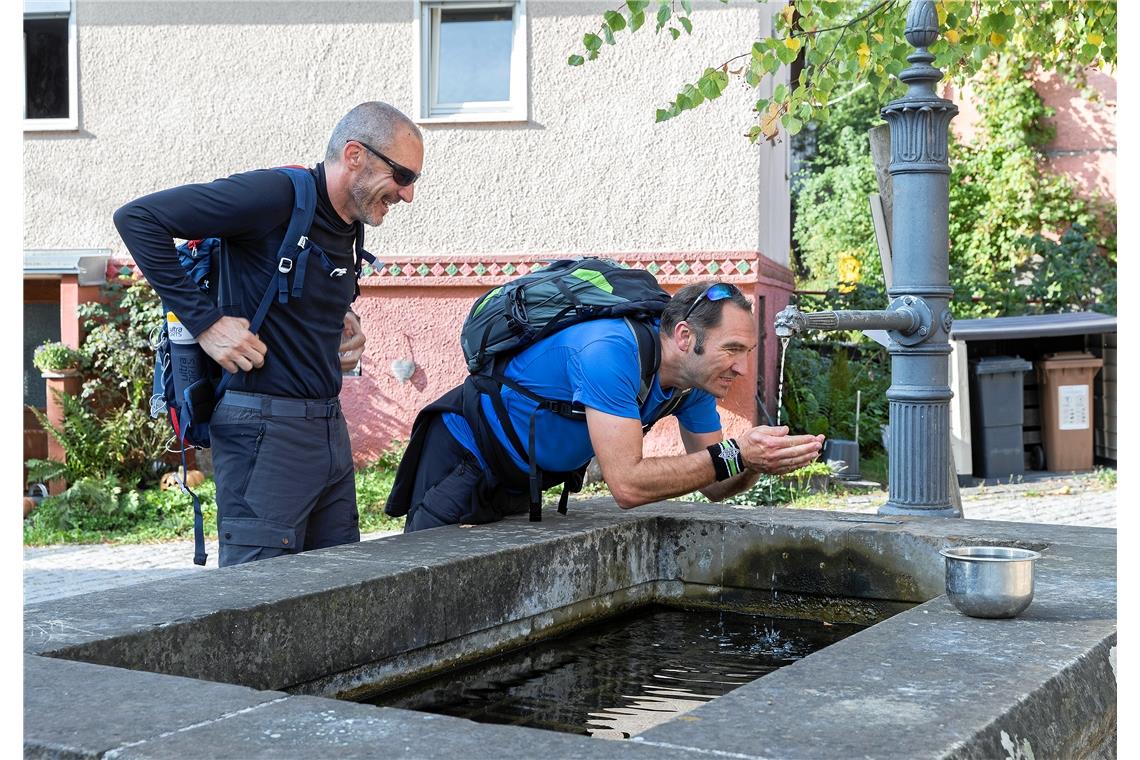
point(990, 581)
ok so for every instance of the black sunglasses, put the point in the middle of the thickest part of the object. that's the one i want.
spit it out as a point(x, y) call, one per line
point(718, 291)
point(402, 174)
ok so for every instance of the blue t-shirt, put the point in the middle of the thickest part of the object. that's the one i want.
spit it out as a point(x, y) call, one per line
point(595, 364)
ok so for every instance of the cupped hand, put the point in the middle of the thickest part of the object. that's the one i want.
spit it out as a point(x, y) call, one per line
point(771, 450)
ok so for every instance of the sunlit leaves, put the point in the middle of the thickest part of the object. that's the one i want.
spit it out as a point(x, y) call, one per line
point(709, 87)
point(769, 120)
point(844, 46)
point(615, 21)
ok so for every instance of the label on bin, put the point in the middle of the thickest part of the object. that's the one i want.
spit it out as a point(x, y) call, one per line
point(1073, 407)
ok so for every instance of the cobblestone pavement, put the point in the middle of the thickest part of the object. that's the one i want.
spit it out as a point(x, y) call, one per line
point(59, 571)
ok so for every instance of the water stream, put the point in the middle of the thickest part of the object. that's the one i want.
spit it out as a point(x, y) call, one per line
point(620, 677)
point(780, 392)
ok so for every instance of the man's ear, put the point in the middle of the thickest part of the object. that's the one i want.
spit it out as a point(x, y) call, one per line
point(682, 336)
point(352, 155)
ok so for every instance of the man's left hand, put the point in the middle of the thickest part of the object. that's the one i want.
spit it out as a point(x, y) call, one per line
point(351, 342)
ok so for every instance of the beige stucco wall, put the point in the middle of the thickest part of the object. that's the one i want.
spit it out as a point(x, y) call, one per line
point(173, 92)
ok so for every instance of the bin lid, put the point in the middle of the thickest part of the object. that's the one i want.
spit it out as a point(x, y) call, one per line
point(992, 365)
point(1070, 360)
point(1033, 326)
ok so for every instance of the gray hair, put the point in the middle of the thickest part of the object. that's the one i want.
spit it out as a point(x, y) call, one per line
point(373, 122)
point(705, 315)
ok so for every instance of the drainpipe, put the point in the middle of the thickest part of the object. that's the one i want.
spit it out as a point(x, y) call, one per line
point(918, 320)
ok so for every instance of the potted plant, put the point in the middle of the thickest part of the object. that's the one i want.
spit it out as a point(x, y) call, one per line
point(59, 364)
point(55, 359)
point(813, 477)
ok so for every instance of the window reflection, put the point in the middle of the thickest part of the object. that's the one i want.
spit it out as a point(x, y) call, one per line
point(474, 55)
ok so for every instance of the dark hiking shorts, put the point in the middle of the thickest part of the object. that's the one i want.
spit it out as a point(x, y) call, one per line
point(284, 474)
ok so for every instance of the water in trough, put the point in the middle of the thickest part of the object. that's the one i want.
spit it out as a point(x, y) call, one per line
point(621, 676)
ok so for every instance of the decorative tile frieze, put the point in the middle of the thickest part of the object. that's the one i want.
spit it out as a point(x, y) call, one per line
point(740, 267)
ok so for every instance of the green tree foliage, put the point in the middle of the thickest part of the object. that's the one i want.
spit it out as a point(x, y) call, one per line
point(1006, 211)
point(844, 45)
point(1021, 240)
point(832, 220)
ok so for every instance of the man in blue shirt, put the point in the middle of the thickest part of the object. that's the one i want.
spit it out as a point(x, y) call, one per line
point(707, 336)
point(281, 451)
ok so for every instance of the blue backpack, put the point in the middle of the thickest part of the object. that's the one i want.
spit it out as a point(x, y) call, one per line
point(188, 383)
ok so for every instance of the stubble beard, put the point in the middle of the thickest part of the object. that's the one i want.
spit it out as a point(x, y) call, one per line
point(364, 200)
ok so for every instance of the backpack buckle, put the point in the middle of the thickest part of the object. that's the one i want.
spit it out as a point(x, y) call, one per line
point(304, 241)
point(285, 265)
point(339, 272)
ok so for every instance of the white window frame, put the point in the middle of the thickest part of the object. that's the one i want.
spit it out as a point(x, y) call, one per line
point(50, 9)
point(425, 25)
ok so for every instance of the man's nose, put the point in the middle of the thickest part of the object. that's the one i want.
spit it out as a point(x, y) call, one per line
point(406, 193)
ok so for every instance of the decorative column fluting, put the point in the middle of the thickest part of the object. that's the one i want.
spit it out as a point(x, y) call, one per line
point(919, 396)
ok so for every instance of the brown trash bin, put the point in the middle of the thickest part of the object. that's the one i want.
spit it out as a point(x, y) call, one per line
point(1065, 383)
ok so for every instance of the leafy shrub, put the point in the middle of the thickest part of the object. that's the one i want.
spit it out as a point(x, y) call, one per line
point(1070, 274)
point(831, 217)
point(89, 503)
point(373, 484)
point(95, 510)
point(107, 430)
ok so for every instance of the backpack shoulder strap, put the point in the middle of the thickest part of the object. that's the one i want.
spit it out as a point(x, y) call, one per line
point(304, 209)
point(295, 239)
point(361, 257)
point(649, 356)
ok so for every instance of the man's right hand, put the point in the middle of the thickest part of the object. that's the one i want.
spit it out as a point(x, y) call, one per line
point(230, 343)
point(771, 450)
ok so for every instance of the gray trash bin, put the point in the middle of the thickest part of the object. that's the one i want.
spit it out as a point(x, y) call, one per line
point(996, 414)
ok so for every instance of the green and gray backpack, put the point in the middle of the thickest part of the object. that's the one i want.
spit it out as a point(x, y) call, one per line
point(511, 317)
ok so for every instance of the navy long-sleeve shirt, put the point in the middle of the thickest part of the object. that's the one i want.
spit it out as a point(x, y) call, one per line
point(251, 212)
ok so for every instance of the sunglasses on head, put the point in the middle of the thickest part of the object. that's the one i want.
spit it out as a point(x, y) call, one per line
point(401, 174)
point(718, 291)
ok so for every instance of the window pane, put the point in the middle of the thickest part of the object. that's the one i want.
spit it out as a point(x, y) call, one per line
point(474, 55)
point(41, 324)
point(45, 68)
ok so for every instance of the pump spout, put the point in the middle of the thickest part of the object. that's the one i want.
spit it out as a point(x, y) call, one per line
point(906, 317)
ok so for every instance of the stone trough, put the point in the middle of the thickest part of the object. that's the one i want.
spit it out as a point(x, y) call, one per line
point(246, 661)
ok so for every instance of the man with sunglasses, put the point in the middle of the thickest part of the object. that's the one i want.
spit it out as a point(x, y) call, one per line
point(707, 337)
point(281, 451)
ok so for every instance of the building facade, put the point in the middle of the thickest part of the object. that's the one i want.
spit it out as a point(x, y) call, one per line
point(527, 158)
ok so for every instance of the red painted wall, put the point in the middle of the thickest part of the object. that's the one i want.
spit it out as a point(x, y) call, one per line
point(414, 309)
